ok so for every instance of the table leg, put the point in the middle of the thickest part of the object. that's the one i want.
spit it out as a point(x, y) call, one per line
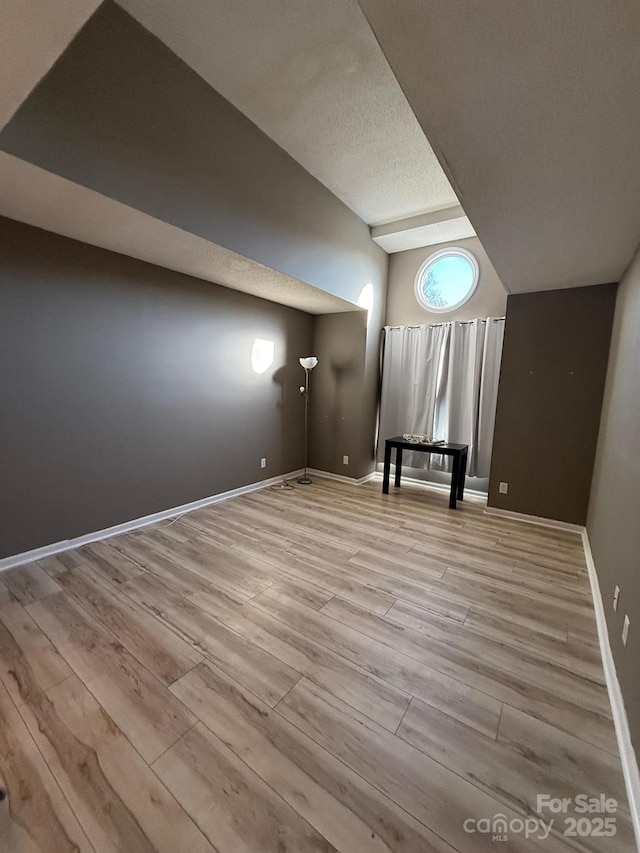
point(461, 476)
point(398, 466)
point(387, 468)
point(454, 481)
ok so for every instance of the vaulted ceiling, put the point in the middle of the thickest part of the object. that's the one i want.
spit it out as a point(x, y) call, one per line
point(313, 78)
point(533, 110)
point(528, 110)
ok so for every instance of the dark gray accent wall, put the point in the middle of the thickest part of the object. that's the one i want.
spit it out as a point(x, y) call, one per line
point(614, 508)
point(554, 364)
point(121, 114)
point(126, 389)
point(339, 422)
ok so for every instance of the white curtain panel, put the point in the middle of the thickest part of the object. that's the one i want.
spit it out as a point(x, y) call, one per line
point(489, 377)
point(442, 381)
point(413, 382)
point(457, 414)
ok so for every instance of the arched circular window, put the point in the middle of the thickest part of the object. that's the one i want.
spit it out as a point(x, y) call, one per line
point(447, 279)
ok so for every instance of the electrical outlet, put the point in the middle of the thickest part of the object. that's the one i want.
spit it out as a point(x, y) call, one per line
point(616, 596)
point(503, 488)
point(625, 630)
point(345, 460)
point(263, 462)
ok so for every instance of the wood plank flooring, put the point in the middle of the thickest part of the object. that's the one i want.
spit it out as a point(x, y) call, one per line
point(325, 669)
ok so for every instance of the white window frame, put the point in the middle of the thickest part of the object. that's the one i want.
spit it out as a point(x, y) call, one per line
point(432, 259)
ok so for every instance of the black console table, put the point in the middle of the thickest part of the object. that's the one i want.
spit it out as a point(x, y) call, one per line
point(458, 451)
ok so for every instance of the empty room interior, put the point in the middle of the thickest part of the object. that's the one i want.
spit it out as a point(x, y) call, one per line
point(319, 426)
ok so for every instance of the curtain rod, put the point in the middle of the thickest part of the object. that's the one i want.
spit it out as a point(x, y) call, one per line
point(450, 323)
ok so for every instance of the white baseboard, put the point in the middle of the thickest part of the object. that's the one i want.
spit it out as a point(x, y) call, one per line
point(620, 721)
point(628, 757)
point(535, 519)
point(328, 475)
point(145, 521)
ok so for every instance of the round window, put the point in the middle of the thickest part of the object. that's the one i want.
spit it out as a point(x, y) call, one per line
point(447, 279)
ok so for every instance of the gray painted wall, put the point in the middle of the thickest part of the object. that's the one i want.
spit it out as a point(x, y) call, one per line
point(127, 389)
point(337, 394)
point(489, 299)
point(614, 508)
point(554, 364)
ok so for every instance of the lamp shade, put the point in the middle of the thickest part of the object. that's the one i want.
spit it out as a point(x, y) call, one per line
point(309, 362)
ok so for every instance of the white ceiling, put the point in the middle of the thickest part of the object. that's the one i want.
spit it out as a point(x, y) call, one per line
point(533, 111)
point(312, 77)
point(33, 195)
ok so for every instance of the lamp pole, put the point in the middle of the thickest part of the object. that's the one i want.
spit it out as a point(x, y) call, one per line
point(308, 364)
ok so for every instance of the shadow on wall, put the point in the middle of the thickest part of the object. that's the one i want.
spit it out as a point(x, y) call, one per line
point(342, 371)
point(337, 419)
point(290, 406)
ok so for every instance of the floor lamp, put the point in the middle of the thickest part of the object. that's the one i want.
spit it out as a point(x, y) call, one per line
point(309, 362)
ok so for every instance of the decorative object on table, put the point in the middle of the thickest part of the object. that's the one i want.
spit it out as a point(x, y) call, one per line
point(418, 438)
point(308, 363)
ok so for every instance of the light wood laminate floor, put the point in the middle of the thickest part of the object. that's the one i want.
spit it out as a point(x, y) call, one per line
point(322, 669)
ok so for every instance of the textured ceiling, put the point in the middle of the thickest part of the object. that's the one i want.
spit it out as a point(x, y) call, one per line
point(32, 36)
point(533, 110)
point(33, 195)
point(312, 77)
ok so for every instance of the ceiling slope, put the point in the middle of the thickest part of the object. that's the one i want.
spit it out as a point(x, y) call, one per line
point(32, 36)
point(533, 111)
point(33, 195)
point(123, 145)
point(313, 78)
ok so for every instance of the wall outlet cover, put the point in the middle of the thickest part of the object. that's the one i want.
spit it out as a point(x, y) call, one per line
point(345, 460)
point(625, 630)
point(616, 596)
point(263, 462)
point(503, 488)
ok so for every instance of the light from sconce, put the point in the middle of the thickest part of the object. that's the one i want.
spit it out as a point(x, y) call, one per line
point(308, 362)
point(367, 300)
point(262, 355)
